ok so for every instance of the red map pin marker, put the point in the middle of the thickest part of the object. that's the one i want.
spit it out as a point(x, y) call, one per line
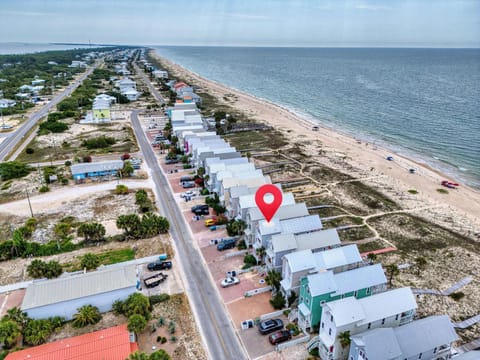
point(268, 209)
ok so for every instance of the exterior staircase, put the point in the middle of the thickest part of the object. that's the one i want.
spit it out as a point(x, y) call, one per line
point(313, 343)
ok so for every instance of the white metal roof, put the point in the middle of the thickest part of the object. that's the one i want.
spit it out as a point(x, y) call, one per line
point(361, 278)
point(300, 260)
point(83, 168)
point(318, 239)
point(425, 334)
point(346, 311)
point(340, 256)
point(383, 305)
point(322, 283)
point(249, 182)
point(283, 242)
point(284, 212)
point(45, 292)
point(301, 225)
point(379, 343)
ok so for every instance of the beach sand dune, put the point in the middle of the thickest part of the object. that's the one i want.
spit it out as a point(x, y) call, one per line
point(459, 209)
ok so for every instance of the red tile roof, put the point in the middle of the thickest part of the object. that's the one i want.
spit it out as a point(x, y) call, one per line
point(179, 85)
point(109, 344)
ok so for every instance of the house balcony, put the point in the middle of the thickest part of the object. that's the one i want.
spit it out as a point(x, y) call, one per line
point(304, 315)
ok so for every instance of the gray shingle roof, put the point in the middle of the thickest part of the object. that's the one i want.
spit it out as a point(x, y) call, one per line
point(45, 292)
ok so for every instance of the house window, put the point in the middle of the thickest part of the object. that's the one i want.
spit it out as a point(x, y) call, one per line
point(420, 356)
point(383, 321)
point(369, 325)
point(329, 331)
point(307, 301)
point(368, 291)
point(322, 302)
point(323, 325)
point(435, 350)
point(355, 293)
point(331, 318)
point(301, 299)
point(396, 317)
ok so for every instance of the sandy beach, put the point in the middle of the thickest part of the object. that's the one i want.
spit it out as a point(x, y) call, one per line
point(458, 210)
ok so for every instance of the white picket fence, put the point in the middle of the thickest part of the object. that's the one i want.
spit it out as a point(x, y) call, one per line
point(283, 346)
point(257, 291)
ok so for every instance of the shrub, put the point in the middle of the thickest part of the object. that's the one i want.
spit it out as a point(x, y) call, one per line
point(413, 191)
point(204, 192)
point(241, 245)
point(136, 323)
point(13, 170)
point(86, 315)
point(40, 269)
point(155, 299)
point(68, 163)
point(161, 321)
point(125, 156)
point(171, 327)
point(278, 301)
point(44, 189)
point(100, 142)
point(457, 295)
point(89, 261)
point(159, 338)
point(87, 159)
point(64, 181)
point(29, 150)
point(250, 260)
point(121, 189)
point(173, 339)
point(164, 340)
point(52, 126)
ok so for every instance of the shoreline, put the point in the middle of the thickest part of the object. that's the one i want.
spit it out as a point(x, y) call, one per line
point(368, 159)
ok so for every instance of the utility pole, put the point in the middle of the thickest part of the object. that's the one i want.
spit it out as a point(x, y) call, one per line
point(29, 203)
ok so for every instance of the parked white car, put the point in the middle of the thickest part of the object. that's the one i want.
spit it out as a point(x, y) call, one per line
point(189, 193)
point(230, 281)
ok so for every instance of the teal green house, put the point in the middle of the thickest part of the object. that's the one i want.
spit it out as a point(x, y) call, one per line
point(323, 287)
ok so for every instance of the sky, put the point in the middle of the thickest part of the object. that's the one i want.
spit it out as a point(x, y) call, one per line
point(351, 23)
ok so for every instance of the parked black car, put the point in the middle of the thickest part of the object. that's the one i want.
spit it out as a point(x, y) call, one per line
point(279, 336)
point(159, 265)
point(226, 244)
point(268, 326)
point(200, 210)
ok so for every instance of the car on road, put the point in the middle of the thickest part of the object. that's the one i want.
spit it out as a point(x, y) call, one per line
point(270, 325)
point(189, 193)
point(159, 265)
point(230, 281)
point(279, 337)
point(226, 244)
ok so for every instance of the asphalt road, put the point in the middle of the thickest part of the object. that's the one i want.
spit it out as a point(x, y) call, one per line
point(7, 145)
point(152, 89)
point(216, 328)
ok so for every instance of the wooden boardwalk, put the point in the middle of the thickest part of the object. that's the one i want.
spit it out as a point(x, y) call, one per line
point(446, 292)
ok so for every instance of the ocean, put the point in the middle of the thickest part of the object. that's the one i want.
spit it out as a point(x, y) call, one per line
point(27, 48)
point(420, 103)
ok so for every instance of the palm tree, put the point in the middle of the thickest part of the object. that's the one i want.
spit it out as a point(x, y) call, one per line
point(344, 338)
point(130, 223)
point(91, 231)
point(273, 279)
point(160, 355)
point(261, 252)
point(37, 331)
point(420, 263)
point(138, 356)
point(392, 270)
point(89, 261)
point(9, 333)
point(16, 315)
point(136, 323)
point(86, 315)
point(372, 257)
